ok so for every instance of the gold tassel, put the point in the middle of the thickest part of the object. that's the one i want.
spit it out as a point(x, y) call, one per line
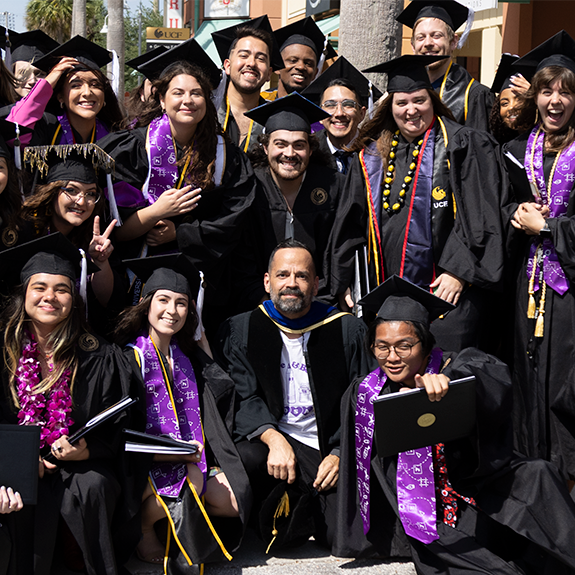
point(531, 305)
point(282, 509)
point(539, 323)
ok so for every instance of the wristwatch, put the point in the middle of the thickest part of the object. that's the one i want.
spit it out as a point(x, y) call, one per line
point(545, 232)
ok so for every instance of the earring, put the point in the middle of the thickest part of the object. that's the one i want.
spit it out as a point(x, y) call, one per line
point(62, 105)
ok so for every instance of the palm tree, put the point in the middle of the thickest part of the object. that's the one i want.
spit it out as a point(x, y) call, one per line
point(369, 34)
point(79, 18)
point(116, 35)
point(51, 16)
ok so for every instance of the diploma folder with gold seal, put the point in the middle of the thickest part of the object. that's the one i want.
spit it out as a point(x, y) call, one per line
point(408, 420)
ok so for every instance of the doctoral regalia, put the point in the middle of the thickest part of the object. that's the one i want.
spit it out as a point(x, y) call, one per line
point(85, 494)
point(196, 536)
point(503, 522)
point(231, 129)
point(544, 382)
point(451, 223)
point(470, 102)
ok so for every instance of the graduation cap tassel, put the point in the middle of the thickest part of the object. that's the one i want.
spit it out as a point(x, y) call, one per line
point(84, 280)
point(370, 101)
point(219, 93)
point(115, 73)
point(468, 24)
point(17, 155)
point(199, 333)
point(8, 56)
point(282, 509)
point(112, 200)
point(322, 58)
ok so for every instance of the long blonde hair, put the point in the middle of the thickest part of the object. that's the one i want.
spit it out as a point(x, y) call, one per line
point(62, 340)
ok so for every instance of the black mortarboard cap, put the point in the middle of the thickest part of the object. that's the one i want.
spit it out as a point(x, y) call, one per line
point(452, 13)
point(223, 39)
point(88, 53)
point(53, 254)
point(146, 57)
point(506, 69)
point(85, 163)
point(293, 112)
point(559, 50)
point(341, 68)
point(189, 51)
point(305, 32)
point(407, 73)
point(397, 299)
point(174, 272)
point(7, 133)
point(31, 46)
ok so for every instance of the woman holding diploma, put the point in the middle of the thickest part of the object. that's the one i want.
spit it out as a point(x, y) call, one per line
point(57, 375)
point(468, 505)
point(187, 397)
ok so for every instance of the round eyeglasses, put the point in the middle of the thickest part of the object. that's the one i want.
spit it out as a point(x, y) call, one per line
point(75, 196)
point(348, 105)
point(402, 349)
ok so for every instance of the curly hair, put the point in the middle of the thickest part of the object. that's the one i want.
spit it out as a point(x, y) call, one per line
point(382, 126)
point(528, 112)
point(134, 320)
point(498, 128)
point(39, 208)
point(63, 340)
point(111, 113)
point(201, 151)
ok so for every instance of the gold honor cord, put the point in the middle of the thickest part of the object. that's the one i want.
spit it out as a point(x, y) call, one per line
point(249, 134)
point(60, 127)
point(442, 89)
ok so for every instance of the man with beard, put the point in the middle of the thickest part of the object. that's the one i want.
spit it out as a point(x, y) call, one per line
point(291, 360)
point(434, 23)
point(304, 50)
point(249, 53)
point(298, 195)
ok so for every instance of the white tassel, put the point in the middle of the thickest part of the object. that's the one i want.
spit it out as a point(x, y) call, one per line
point(112, 201)
point(115, 73)
point(84, 280)
point(370, 101)
point(199, 308)
point(468, 24)
point(322, 58)
point(17, 155)
point(8, 57)
point(219, 93)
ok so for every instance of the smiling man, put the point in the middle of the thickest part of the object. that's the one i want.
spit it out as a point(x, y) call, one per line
point(298, 195)
point(434, 23)
point(291, 359)
point(249, 54)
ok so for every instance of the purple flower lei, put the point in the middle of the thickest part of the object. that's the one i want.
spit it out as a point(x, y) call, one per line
point(51, 413)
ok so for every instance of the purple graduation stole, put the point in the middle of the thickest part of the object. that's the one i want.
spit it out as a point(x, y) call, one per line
point(174, 412)
point(415, 498)
point(68, 135)
point(557, 199)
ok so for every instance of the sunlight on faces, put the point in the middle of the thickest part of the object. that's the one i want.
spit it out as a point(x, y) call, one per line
point(431, 38)
point(167, 314)
point(343, 122)
point(412, 112)
point(288, 153)
point(248, 65)
point(27, 76)
point(48, 300)
point(400, 370)
point(300, 67)
point(3, 174)
point(72, 209)
point(184, 101)
point(555, 105)
point(507, 102)
point(292, 282)
point(82, 95)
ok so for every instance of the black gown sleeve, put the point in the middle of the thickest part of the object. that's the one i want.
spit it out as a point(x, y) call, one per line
point(480, 103)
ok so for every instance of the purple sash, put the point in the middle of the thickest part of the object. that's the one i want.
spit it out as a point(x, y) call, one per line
point(177, 414)
point(557, 199)
point(418, 496)
point(68, 135)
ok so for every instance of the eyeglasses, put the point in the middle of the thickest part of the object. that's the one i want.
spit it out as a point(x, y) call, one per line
point(402, 350)
point(348, 105)
point(75, 196)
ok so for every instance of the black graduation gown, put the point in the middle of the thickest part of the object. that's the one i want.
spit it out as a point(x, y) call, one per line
point(470, 108)
point(543, 377)
point(524, 515)
point(86, 494)
point(315, 212)
point(217, 404)
point(232, 131)
point(466, 228)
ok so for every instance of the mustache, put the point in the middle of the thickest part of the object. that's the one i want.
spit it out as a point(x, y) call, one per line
point(292, 291)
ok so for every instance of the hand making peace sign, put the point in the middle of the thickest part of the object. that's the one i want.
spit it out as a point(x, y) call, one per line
point(101, 247)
